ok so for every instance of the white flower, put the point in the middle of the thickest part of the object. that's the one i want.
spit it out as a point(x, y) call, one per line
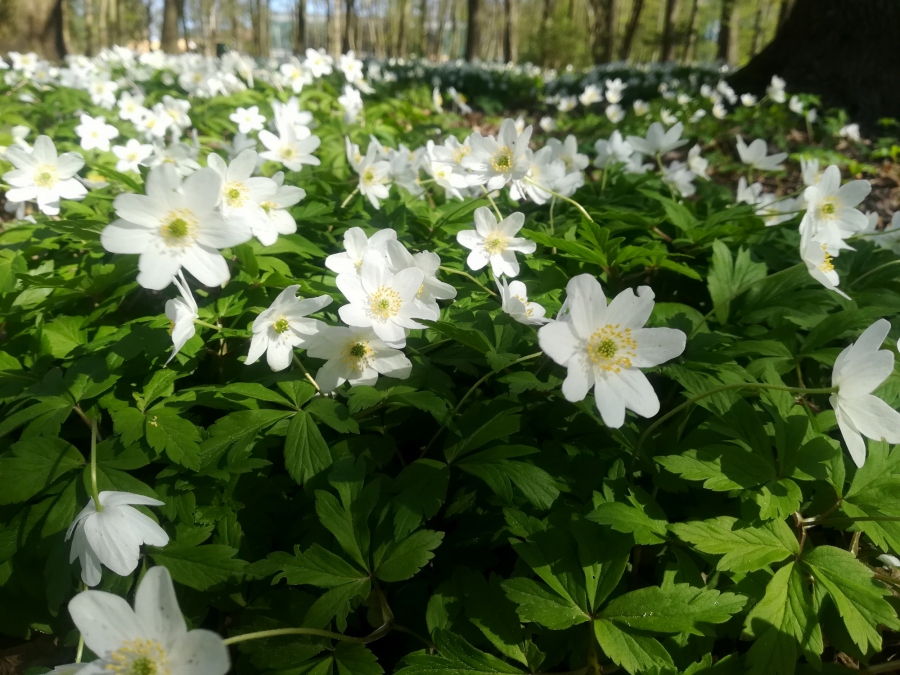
point(614, 113)
point(181, 312)
point(889, 560)
point(679, 177)
point(318, 62)
point(495, 243)
point(748, 100)
point(242, 195)
point(437, 100)
point(591, 94)
point(667, 117)
point(850, 131)
point(356, 244)
point(754, 155)
point(658, 140)
point(719, 110)
point(831, 214)
point(812, 115)
point(889, 237)
point(640, 107)
point(285, 326)
point(544, 172)
point(374, 176)
point(131, 107)
point(459, 100)
point(615, 150)
point(180, 156)
point(698, 115)
point(357, 356)
point(696, 163)
point(150, 639)
point(604, 346)
point(520, 124)
point(113, 535)
point(432, 288)
point(858, 371)
point(174, 226)
point(496, 162)
point(815, 253)
point(94, 132)
point(809, 168)
point(514, 301)
point(289, 114)
point(614, 89)
point(277, 219)
point(775, 90)
point(382, 300)
point(351, 102)
point(567, 103)
point(177, 110)
point(351, 66)
point(296, 75)
point(131, 155)
point(547, 124)
point(153, 123)
point(248, 119)
point(42, 176)
point(796, 105)
point(289, 147)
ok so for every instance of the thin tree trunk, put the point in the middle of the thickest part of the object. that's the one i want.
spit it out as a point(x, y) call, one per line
point(348, 21)
point(783, 11)
point(631, 29)
point(510, 48)
point(472, 31)
point(300, 28)
point(438, 45)
point(728, 32)
point(102, 17)
point(668, 35)
point(456, 22)
point(423, 28)
point(89, 37)
point(691, 41)
point(757, 29)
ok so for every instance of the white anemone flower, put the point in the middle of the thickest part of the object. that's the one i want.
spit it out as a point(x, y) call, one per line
point(174, 226)
point(357, 356)
point(42, 176)
point(820, 262)
point(494, 162)
point(113, 536)
point(290, 147)
point(181, 312)
point(495, 243)
point(356, 244)
point(248, 119)
point(614, 113)
point(278, 220)
point(131, 155)
point(680, 178)
point(658, 140)
point(614, 151)
point(374, 177)
point(858, 371)
point(243, 194)
point(697, 163)
point(514, 301)
point(432, 288)
point(95, 133)
point(152, 638)
point(278, 330)
point(831, 208)
point(640, 107)
point(754, 155)
point(382, 300)
point(604, 347)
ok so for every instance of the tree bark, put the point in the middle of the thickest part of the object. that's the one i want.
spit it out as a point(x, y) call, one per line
point(691, 40)
point(423, 29)
point(728, 43)
point(33, 26)
point(631, 29)
point(472, 31)
point(757, 29)
point(846, 52)
point(668, 36)
point(783, 10)
point(300, 28)
point(401, 29)
point(510, 51)
point(546, 20)
point(348, 25)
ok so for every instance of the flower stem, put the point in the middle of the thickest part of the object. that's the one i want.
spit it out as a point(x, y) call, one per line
point(872, 271)
point(469, 277)
point(95, 493)
point(308, 376)
point(564, 198)
point(493, 203)
point(275, 632)
point(207, 325)
point(349, 197)
point(719, 390)
point(80, 651)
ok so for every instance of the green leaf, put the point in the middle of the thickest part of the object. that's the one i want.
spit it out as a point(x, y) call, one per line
point(743, 548)
point(496, 468)
point(421, 489)
point(166, 431)
point(199, 567)
point(334, 414)
point(355, 659)
point(630, 520)
point(721, 467)
point(341, 523)
point(729, 277)
point(316, 567)
point(634, 653)
point(33, 465)
point(305, 451)
point(539, 605)
point(858, 596)
point(336, 604)
point(404, 559)
point(455, 657)
point(679, 608)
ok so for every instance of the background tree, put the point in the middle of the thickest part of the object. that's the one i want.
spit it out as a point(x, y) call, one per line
point(35, 25)
point(472, 30)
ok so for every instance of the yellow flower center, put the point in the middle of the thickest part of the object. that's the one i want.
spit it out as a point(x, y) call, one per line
point(369, 176)
point(502, 160)
point(235, 194)
point(139, 657)
point(178, 227)
point(287, 152)
point(495, 244)
point(385, 303)
point(529, 310)
point(268, 207)
point(828, 208)
point(281, 326)
point(45, 176)
point(612, 348)
point(827, 265)
point(459, 152)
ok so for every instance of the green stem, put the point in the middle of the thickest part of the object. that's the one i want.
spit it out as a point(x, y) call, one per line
point(349, 197)
point(719, 390)
point(564, 198)
point(306, 373)
point(872, 271)
point(275, 632)
point(493, 203)
point(888, 667)
point(94, 491)
point(207, 325)
point(465, 398)
point(80, 651)
point(469, 277)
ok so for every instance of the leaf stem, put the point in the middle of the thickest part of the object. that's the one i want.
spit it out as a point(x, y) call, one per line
point(80, 650)
point(493, 203)
point(306, 373)
point(349, 197)
point(207, 325)
point(275, 632)
point(469, 277)
point(872, 271)
point(95, 493)
point(564, 198)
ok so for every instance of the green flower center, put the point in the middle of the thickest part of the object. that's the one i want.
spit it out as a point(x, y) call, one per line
point(139, 657)
point(359, 350)
point(607, 348)
point(45, 176)
point(281, 326)
point(385, 303)
point(502, 160)
point(495, 244)
point(611, 348)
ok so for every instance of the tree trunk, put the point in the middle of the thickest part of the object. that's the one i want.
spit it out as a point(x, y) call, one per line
point(438, 47)
point(510, 51)
point(472, 29)
point(728, 42)
point(33, 26)
point(783, 10)
point(401, 28)
point(757, 29)
point(456, 22)
point(423, 29)
point(546, 19)
point(348, 21)
point(668, 36)
point(89, 36)
point(102, 23)
point(688, 54)
point(631, 29)
point(846, 52)
point(300, 29)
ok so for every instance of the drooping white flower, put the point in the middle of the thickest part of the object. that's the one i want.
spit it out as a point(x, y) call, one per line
point(248, 119)
point(850, 131)
point(289, 148)
point(858, 371)
point(42, 176)
point(459, 101)
point(284, 326)
point(796, 105)
point(697, 163)
point(514, 301)
point(357, 356)
point(432, 289)
point(494, 162)
point(131, 155)
point(755, 155)
point(242, 195)
point(495, 242)
point(437, 100)
point(113, 536)
point(775, 90)
point(658, 140)
point(181, 312)
point(382, 300)
point(605, 346)
point(150, 639)
point(174, 226)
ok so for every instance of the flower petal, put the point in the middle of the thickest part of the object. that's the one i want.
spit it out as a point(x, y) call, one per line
point(105, 620)
point(156, 607)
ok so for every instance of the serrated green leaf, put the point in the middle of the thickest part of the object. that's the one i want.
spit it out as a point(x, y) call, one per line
point(635, 653)
point(537, 604)
point(33, 465)
point(743, 548)
point(402, 560)
point(305, 451)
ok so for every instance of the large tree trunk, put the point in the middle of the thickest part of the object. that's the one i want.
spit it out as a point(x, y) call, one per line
point(728, 42)
point(348, 26)
point(846, 52)
point(472, 31)
point(668, 36)
point(300, 29)
point(510, 51)
point(170, 27)
point(33, 26)
point(631, 29)
point(602, 14)
point(688, 52)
